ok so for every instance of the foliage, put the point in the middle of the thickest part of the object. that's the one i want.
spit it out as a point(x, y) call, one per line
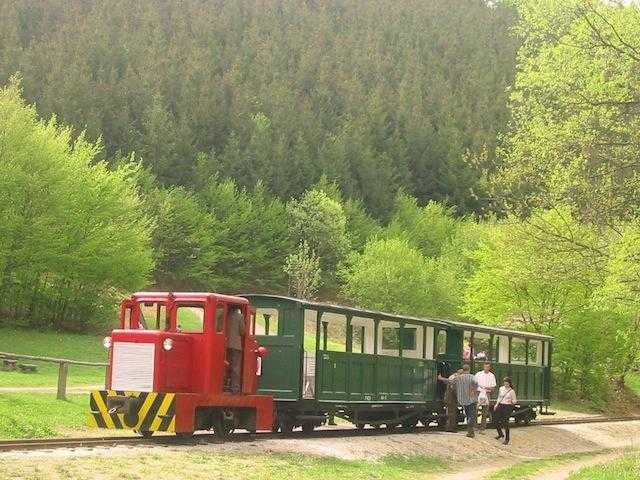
point(303, 269)
point(251, 238)
point(575, 135)
point(319, 221)
point(393, 276)
point(185, 239)
point(73, 236)
point(429, 228)
point(376, 96)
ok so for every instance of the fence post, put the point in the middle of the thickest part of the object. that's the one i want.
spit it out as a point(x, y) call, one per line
point(62, 380)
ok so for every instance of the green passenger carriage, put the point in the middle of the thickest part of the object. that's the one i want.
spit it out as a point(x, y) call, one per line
point(381, 369)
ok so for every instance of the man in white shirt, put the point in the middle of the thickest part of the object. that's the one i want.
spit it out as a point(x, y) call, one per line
point(486, 381)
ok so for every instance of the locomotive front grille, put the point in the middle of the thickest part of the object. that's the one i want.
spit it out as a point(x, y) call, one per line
point(133, 366)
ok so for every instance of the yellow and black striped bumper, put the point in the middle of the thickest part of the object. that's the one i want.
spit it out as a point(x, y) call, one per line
point(141, 411)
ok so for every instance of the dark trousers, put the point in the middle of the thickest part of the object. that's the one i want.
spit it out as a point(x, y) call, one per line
point(471, 413)
point(452, 416)
point(501, 418)
point(235, 366)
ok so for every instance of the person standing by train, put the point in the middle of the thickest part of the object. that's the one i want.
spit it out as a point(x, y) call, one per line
point(486, 383)
point(503, 409)
point(235, 332)
point(467, 393)
point(451, 402)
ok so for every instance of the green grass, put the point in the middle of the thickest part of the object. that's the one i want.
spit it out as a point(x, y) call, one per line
point(568, 406)
point(50, 344)
point(41, 415)
point(531, 468)
point(207, 465)
point(626, 468)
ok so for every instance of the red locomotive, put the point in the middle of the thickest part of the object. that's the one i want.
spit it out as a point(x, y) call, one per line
point(172, 366)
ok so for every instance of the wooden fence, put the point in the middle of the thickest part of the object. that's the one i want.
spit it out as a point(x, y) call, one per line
point(63, 368)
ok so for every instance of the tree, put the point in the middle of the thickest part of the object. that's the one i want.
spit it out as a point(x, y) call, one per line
point(303, 270)
point(393, 276)
point(74, 235)
point(429, 228)
point(320, 222)
point(575, 136)
point(185, 240)
point(251, 238)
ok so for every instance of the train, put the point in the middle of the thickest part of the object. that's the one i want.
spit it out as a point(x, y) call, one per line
point(303, 363)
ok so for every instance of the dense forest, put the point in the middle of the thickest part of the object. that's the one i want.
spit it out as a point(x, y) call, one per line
point(463, 159)
point(378, 95)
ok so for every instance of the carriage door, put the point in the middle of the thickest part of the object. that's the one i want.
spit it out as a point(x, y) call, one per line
point(281, 372)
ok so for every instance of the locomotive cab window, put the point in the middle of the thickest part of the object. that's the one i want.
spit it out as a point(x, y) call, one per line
point(267, 321)
point(153, 316)
point(126, 319)
point(190, 318)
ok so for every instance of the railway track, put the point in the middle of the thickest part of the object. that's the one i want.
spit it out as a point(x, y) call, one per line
point(204, 438)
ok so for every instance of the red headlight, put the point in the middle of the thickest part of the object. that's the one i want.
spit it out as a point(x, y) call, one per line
point(261, 351)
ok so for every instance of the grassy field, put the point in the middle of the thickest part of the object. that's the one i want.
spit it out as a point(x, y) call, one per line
point(531, 468)
point(207, 465)
point(50, 344)
point(626, 468)
point(41, 415)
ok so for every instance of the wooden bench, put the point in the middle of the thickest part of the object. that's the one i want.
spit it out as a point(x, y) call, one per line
point(28, 368)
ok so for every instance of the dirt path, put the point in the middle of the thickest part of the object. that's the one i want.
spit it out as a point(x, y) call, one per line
point(74, 389)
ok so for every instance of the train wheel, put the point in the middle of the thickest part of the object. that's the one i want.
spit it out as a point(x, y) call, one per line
point(391, 426)
point(286, 427)
point(410, 424)
point(222, 429)
point(360, 426)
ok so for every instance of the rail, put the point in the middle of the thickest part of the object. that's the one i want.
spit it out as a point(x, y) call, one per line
point(63, 368)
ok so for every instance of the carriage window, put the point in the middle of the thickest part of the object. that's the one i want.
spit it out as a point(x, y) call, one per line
point(190, 318)
point(267, 321)
point(310, 318)
point(429, 344)
point(153, 316)
point(441, 342)
point(362, 335)
point(501, 348)
point(518, 351)
point(389, 338)
point(334, 332)
point(412, 338)
point(481, 346)
point(535, 352)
